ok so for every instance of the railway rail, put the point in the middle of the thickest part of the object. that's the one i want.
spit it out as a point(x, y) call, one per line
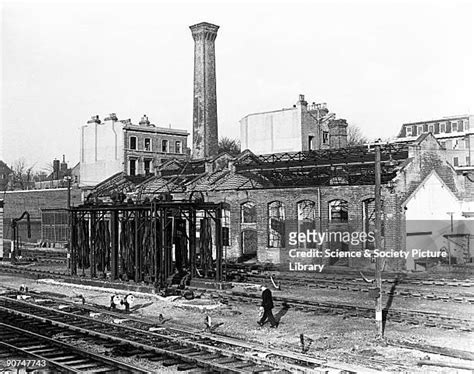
point(412, 317)
point(428, 290)
point(218, 341)
point(173, 346)
point(20, 348)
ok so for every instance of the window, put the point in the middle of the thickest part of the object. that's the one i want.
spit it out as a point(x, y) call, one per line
point(442, 127)
point(306, 210)
point(425, 127)
point(414, 130)
point(177, 147)
point(147, 144)
point(456, 161)
point(468, 161)
point(133, 142)
point(248, 212)
point(164, 146)
point(338, 211)
point(325, 137)
point(448, 127)
point(310, 142)
point(276, 225)
point(408, 130)
point(436, 126)
point(431, 129)
point(306, 218)
point(146, 166)
point(454, 126)
point(420, 129)
point(132, 167)
point(460, 126)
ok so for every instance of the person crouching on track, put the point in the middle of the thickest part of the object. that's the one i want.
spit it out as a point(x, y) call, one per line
point(267, 305)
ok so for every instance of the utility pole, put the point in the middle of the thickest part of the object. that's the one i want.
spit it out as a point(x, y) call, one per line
point(378, 240)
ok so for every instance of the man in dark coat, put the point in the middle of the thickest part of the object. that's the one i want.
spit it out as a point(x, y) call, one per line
point(267, 305)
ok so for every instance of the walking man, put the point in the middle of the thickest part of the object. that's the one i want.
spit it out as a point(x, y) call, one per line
point(267, 305)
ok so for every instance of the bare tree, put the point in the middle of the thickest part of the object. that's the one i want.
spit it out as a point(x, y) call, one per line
point(22, 175)
point(231, 146)
point(355, 136)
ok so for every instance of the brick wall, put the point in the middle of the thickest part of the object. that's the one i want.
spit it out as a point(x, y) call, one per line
point(32, 201)
point(354, 195)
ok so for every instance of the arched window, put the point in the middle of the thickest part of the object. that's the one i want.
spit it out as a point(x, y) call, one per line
point(307, 215)
point(248, 212)
point(338, 211)
point(307, 210)
point(276, 224)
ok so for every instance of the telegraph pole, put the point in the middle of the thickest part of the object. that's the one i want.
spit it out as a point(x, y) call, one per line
point(378, 240)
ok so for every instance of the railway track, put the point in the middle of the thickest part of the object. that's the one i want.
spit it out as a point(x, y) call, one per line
point(412, 317)
point(20, 348)
point(173, 346)
point(428, 291)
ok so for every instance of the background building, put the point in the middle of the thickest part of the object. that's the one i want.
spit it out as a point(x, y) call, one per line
point(303, 127)
point(455, 133)
point(113, 146)
point(5, 173)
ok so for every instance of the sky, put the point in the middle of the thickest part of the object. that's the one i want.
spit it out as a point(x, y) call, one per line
point(376, 63)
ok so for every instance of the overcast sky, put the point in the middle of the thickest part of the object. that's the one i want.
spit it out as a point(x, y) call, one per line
point(375, 63)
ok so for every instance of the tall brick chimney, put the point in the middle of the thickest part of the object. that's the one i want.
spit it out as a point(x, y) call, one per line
point(205, 136)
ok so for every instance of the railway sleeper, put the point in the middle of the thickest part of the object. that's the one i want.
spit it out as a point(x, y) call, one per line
point(171, 362)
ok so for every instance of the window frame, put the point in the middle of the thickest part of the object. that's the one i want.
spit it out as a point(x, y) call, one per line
point(343, 208)
point(150, 147)
point(134, 138)
point(165, 146)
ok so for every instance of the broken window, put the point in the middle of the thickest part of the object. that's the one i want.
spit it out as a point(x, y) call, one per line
point(325, 137)
point(306, 217)
point(248, 212)
point(338, 211)
point(307, 210)
point(276, 224)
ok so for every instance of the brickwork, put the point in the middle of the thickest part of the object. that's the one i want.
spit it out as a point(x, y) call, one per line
point(149, 147)
point(32, 201)
point(354, 195)
point(205, 136)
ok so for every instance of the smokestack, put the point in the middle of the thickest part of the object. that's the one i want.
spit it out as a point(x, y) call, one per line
point(64, 164)
point(56, 169)
point(205, 136)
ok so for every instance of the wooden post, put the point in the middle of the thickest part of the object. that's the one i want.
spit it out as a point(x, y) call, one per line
point(378, 240)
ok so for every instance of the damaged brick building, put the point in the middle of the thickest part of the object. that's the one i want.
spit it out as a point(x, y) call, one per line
point(315, 182)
